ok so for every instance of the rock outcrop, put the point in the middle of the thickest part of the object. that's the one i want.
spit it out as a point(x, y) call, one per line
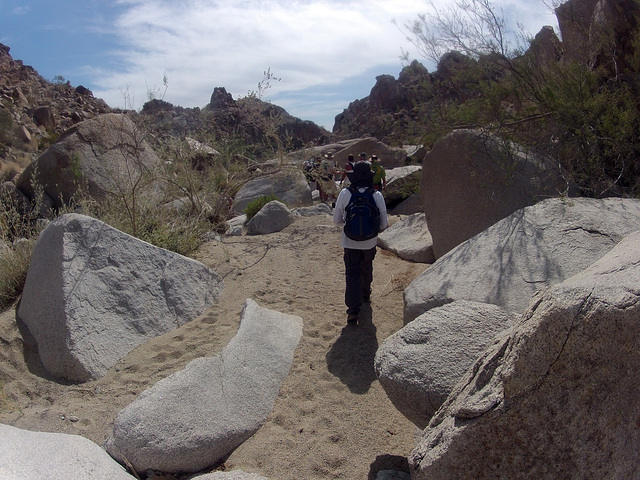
point(93, 294)
point(106, 155)
point(273, 217)
point(598, 33)
point(556, 397)
point(33, 455)
point(419, 365)
point(290, 187)
point(390, 106)
point(533, 248)
point(469, 182)
point(195, 417)
point(256, 120)
point(410, 239)
point(35, 110)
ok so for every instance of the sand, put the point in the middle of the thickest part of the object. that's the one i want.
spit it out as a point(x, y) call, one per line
point(332, 418)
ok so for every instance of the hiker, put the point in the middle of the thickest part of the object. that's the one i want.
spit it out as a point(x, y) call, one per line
point(379, 175)
point(311, 170)
point(326, 183)
point(359, 254)
point(348, 168)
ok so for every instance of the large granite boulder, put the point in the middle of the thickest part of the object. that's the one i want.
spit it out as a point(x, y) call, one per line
point(315, 210)
point(106, 154)
point(92, 294)
point(403, 183)
point(410, 239)
point(408, 206)
point(273, 217)
point(531, 249)
point(197, 416)
point(419, 365)
point(599, 33)
point(390, 157)
point(557, 396)
point(289, 186)
point(470, 181)
point(39, 455)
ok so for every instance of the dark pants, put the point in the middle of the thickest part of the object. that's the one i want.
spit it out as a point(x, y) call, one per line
point(359, 274)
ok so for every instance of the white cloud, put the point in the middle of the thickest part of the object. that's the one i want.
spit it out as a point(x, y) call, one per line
point(23, 10)
point(202, 44)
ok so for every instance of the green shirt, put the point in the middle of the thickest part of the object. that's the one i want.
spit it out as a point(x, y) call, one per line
point(378, 173)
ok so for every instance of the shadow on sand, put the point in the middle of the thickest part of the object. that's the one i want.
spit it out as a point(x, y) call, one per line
point(351, 357)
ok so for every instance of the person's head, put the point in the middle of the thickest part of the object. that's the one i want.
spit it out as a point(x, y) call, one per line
point(362, 176)
point(362, 157)
point(374, 158)
point(329, 155)
point(351, 158)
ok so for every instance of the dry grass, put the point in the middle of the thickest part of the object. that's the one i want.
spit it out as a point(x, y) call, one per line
point(14, 264)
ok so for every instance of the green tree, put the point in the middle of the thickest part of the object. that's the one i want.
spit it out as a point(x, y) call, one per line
point(581, 111)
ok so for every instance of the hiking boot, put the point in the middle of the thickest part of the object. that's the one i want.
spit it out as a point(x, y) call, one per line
point(352, 318)
point(366, 299)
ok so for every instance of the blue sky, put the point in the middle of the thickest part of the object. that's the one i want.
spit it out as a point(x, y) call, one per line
point(327, 53)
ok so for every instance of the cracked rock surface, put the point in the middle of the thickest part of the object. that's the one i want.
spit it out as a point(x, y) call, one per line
point(556, 397)
point(534, 248)
point(198, 415)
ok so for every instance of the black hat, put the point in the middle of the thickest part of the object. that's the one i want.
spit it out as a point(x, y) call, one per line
point(362, 176)
point(363, 155)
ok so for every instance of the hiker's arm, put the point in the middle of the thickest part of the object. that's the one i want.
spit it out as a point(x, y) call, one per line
point(384, 220)
point(341, 203)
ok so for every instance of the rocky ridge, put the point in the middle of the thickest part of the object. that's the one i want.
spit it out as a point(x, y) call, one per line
point(35, 112)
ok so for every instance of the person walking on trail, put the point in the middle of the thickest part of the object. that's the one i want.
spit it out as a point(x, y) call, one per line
point(311, 169)
point(326, 184)
point(358, 255)
point(348, 168)
point(379, 175)
point(363, 157)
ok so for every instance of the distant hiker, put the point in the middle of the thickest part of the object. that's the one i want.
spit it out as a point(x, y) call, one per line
point(359, 253)
point(311, 169)
point(326, 182)
point(379, 175)
point(348, 168)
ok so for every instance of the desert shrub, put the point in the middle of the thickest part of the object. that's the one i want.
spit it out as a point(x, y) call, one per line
point(14, 264)
point(182, 235)
point(254, 206)
point(49, 139)
point(6, 129)
point(408, 185)
point(162, 227)
point(20, 226)
point(582, 115)
point(596, 125)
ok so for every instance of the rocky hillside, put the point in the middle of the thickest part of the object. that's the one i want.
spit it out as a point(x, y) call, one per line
point(34, 112)
point(260, 126)
point(391, 109)
point(569, 95)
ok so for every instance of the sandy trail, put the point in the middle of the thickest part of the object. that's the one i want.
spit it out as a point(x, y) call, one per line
point(331, 420)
